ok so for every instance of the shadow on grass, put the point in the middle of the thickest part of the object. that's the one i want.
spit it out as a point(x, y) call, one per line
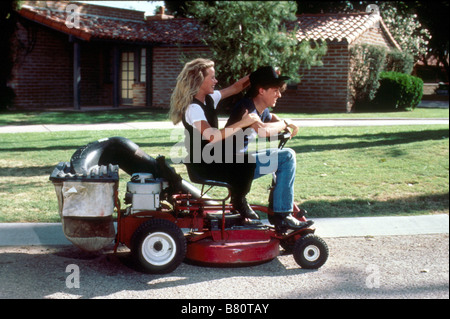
point(68, 147)
point(26, 171)
point(370, 140)
point(364, 141)
point(413, 205)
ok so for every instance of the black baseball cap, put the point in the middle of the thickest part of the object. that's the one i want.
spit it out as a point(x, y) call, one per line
point(266, 76)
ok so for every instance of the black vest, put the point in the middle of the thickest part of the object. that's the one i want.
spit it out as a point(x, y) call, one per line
point(211, 116)
point(239, 176)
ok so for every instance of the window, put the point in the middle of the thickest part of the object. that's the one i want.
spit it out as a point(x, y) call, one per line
point(127, 77)
point(143, 65)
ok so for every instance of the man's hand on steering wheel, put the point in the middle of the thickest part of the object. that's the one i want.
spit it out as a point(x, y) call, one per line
point(291, 127)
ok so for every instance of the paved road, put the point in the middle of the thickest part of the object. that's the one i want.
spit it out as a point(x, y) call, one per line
point(370, 257)
point(413, 267)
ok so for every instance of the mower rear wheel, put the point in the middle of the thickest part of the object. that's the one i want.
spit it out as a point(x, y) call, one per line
point(310, 252)
point(158, 246)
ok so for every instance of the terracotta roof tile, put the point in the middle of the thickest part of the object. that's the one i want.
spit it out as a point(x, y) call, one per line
point(170, 31)
point(337, 27)
point(333, 27)
point(329, 27)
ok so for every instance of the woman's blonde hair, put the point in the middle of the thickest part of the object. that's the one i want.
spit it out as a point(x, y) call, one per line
point(188, 83)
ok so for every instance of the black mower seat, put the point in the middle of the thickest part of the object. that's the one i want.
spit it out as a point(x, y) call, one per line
point(196, 178)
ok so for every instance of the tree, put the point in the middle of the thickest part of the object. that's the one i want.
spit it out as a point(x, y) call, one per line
point(177, 8)
point(366, 65)
point(434, 16)
point(406, 29)
point(8, 20)
point(418, 26)
point(305, 6)
point(245, 35)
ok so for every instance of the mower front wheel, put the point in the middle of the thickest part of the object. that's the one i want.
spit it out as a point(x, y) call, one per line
point(310, 252)
point(158, 246)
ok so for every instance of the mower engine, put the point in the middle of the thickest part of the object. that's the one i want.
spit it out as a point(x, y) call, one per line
point(144, 192)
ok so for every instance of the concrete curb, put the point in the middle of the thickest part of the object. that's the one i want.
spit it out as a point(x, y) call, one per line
point(51, 234)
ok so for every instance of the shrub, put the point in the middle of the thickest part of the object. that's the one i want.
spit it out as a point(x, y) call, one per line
point(399, 61)
point(367, 61)
point(367, 64)
point(398, 91)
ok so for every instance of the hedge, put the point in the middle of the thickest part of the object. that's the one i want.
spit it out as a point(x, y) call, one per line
point(399, 61)
point(398, 91)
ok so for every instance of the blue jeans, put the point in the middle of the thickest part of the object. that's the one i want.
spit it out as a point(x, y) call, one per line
point(282, 163)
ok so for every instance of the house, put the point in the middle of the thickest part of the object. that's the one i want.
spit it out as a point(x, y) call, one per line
point(79, 55)
point(326, 88)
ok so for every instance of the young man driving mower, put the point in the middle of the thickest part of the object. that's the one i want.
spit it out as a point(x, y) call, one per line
point(266, 86)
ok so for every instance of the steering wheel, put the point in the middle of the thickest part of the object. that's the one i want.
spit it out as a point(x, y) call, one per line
point(282, 137)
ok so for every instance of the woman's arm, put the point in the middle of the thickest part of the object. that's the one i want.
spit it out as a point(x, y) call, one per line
point(214, 135)
point(236, 87)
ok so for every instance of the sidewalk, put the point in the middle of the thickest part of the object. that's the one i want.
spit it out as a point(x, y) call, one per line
point(305, 122)
point(168, 125)
point(50, 234)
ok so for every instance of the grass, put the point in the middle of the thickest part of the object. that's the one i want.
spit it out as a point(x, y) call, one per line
point(121, 115)
point(91, 117)
point(344, 171)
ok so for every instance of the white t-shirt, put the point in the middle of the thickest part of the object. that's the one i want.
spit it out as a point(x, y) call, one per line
point(194, 112)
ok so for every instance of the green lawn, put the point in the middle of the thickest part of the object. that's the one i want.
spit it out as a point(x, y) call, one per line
point(344, 171)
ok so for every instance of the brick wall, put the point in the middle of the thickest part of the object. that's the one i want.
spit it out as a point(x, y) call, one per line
point(321, 88)
point(374, 36)
point(139, 94)
point(44, 77)
point(166, 67)
point(325, 88)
